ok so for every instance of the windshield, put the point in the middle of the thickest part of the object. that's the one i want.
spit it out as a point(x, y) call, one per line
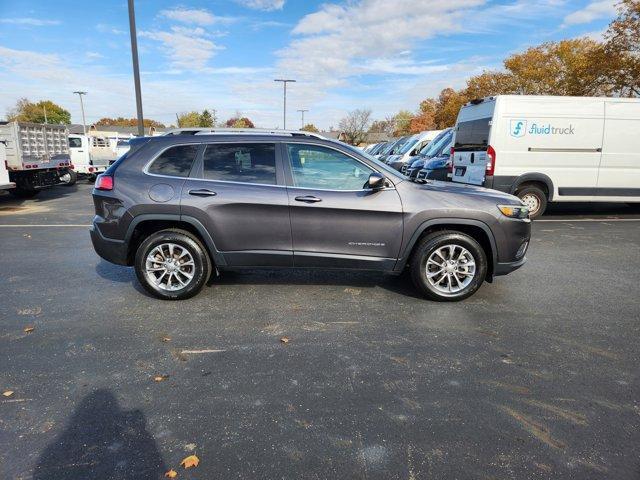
point(435, 145)
point(473, 134)
point(396, 148)
point(388, 147)
point(411, 141)
point(378, 148)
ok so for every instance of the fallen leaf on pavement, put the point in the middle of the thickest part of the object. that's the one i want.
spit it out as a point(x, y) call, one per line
point(171, 474)
point(30, 311)
point(160, 378)
point(7, 393)
point(29, 329)
point(285, 340)
point(165, 339)
point(190, 461)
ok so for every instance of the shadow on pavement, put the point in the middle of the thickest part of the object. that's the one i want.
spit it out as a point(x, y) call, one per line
point(102, 441)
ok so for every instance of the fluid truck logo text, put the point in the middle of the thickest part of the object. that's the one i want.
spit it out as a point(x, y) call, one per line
point(519, 128)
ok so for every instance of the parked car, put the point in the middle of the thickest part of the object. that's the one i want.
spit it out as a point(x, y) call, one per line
point(432, 149)
point(90, 155)
point(436, 168)
point(179, 208)
point(407, 153)
point(551, 149)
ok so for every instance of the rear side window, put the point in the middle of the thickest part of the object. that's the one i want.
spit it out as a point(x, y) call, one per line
point(175, 161)
point(474, 133)
point(240, 162)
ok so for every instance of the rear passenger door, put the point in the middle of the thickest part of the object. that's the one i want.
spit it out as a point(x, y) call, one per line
point(336, 220)
point(236, 190)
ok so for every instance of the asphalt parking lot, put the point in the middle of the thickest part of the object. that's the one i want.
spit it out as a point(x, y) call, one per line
point(536, 376)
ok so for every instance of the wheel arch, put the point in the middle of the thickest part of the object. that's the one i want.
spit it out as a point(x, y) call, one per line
point(144, 225)
point(534, 177)
point(476, 229)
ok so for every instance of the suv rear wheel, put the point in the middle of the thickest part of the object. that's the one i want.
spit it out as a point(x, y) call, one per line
point(448, 266)
point(172, 264)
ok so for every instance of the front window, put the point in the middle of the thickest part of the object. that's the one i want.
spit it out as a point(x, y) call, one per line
point(322, 168)
point(75, 142)
point(433, 148)
point(407, 146)
point(241, 162)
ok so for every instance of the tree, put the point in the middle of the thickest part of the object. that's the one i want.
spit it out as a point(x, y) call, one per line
point(425, 119)
point(490, 83)
point(310, 127)
point(388, 126)
point(239, 122)
point(26, 111)
point(355, 125)
point(189, 119)
point(622, 43)
point(449, 104)
point(402, 123)
point(127, 122)
point(206, 120)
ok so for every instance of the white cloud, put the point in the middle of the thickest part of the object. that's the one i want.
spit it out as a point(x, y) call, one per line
point(104, 28)
point(32, 22)
point(186, 47)
point(94, 55)
point(266, 5)
point(194, 16)
point(593, 11)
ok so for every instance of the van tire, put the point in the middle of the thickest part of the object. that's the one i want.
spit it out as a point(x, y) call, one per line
point(186, 241)
point(430, 244)
point(534, 198)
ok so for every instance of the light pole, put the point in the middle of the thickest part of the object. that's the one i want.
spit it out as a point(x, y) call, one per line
point(284, 114)
point(84, 122)
point(302, 112)
point(136, 66)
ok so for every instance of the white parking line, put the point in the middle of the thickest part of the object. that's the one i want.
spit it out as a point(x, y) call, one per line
point(50, 225)
point(588, 220)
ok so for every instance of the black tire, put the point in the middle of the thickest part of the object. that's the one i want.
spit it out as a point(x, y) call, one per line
point(428, 245)
point(537, 196)
point(20, 192)
point(201, 269)
point(73, 178)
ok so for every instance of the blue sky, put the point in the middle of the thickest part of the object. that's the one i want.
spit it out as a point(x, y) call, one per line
point(379, 54)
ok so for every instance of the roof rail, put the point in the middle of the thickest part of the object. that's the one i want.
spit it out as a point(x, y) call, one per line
point(243, 131)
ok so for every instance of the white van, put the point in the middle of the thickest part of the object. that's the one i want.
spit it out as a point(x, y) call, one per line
point(551, 149)
point(406, 154)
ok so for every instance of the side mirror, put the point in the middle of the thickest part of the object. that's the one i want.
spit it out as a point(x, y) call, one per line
point(376, 181)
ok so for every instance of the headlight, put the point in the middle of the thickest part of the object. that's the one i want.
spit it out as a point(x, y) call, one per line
point(514, 211)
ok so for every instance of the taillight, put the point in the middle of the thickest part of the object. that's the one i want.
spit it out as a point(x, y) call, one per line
point(491, 160)
point(450, 163)
point(104, 182)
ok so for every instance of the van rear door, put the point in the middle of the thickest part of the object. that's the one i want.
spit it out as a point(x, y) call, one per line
point(470, 155)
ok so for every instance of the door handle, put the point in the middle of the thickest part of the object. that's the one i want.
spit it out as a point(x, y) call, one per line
point(202, 192)
point(308, 199)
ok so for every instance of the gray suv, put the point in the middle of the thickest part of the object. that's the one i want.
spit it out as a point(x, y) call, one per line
point(181, 207)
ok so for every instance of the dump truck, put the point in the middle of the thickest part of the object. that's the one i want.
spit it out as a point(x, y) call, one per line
point(37, 156)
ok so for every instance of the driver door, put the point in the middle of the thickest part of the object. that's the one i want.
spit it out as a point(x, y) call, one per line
point(336, 221)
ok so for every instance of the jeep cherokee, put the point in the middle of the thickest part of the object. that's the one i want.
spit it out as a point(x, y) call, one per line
point(180, 207)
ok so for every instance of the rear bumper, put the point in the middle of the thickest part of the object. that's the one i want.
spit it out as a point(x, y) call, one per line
point(114, 251)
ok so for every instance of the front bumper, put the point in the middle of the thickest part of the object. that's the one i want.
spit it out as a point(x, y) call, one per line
point(505, 268)
point(114, 251)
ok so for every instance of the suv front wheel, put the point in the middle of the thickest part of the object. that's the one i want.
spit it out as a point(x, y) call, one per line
point(172, 264)
point(448, 266)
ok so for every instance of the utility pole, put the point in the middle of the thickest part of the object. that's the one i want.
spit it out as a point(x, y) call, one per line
point(284, 114)
point(177, 121)
point(302, 112)
point(44, 109)
point(215, 118)
point(84, 122)
point(136, 66)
